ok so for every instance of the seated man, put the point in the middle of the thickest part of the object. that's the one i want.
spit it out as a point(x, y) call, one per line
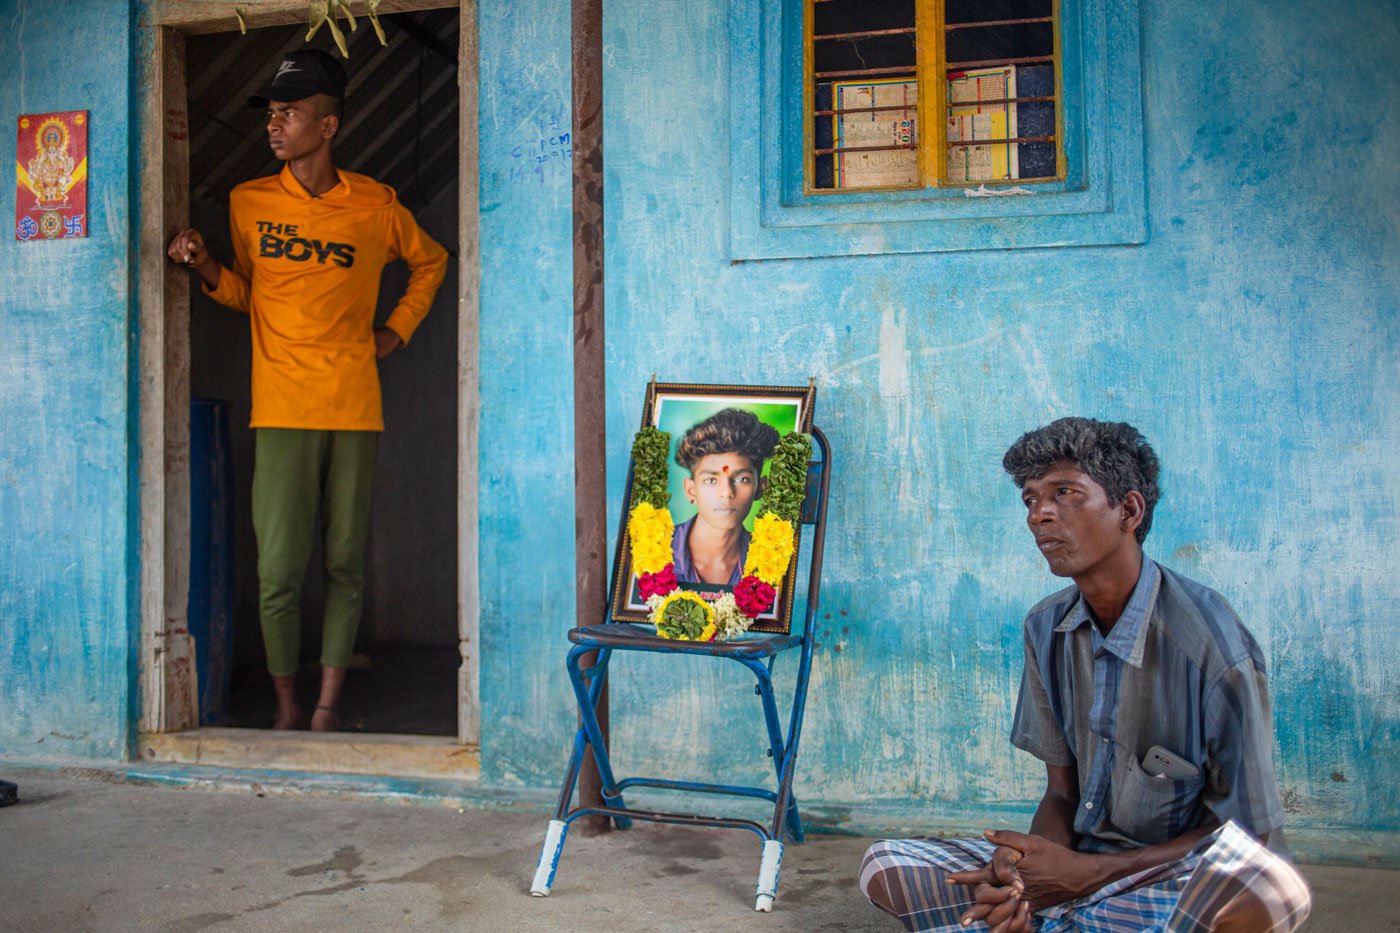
point(1146, 698)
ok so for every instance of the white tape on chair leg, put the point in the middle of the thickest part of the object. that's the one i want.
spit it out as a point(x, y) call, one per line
point(768, 875)
point(549, 858)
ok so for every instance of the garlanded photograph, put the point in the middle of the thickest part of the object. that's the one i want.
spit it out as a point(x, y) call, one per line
point(707, 546)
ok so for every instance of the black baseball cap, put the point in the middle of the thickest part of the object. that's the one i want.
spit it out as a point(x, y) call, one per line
point(301, 74)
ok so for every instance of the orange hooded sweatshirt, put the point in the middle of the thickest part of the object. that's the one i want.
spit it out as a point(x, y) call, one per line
point(306, 269)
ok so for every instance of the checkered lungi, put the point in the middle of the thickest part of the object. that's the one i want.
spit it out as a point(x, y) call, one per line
point(1180, 896)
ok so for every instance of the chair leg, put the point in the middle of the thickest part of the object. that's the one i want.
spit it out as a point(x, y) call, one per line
point(554, 836)
point(786, 812)
point(558, 829)
point(768, 875)
point(549, 858)
point(566, 791)
point(587, 697)
point(792, 822)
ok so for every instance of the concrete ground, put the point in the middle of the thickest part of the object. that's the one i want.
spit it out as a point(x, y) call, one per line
point(81, 853)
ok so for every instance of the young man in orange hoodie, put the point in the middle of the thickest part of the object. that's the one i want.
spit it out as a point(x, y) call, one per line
point(309, 245)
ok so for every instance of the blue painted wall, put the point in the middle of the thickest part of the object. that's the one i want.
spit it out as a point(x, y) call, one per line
point(1253, 339)
point(68, 575)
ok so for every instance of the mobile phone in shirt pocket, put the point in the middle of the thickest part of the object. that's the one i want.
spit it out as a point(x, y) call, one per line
point(1161, 763)
point(1147, 809)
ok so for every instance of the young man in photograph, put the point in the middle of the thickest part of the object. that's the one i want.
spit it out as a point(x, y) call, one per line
point(309, 245)
point(724, 456)
point(1146, 699)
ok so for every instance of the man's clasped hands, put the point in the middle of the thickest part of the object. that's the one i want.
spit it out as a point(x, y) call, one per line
point(1026, 874)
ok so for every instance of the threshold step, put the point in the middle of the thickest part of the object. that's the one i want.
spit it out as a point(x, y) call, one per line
point(420, 756)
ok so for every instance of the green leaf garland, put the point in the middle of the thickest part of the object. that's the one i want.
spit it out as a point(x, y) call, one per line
point(650, 484)
point(787, 477)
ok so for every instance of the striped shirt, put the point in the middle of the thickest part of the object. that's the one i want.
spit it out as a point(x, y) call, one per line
point(1178, 670)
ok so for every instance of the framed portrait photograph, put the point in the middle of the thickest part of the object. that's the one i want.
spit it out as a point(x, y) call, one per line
point(721, 438)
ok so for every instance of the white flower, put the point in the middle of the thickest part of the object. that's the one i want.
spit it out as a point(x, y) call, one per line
point(730, 622)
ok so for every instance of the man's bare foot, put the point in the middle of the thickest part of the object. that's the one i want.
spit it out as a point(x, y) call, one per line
point(325, 720)
point(288, 710)
point(288, 719)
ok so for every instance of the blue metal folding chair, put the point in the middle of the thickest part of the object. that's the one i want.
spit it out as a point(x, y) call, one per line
point(757, 652)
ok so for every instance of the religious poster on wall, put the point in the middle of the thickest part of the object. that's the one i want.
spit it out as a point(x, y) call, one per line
point(51, 172)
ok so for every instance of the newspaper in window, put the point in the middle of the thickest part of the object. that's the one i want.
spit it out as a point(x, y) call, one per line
point(969, 119)
point(884, 168)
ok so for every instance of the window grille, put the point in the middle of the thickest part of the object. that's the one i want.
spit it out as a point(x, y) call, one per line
point(929, 93)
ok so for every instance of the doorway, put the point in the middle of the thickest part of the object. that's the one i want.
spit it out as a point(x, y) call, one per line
point(410, 122)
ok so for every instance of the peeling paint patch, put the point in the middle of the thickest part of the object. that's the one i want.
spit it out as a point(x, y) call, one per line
point(894, 355)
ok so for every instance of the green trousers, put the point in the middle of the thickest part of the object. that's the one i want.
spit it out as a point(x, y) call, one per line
point(294, 473)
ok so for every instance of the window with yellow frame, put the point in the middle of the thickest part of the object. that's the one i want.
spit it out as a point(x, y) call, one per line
point(903, 94)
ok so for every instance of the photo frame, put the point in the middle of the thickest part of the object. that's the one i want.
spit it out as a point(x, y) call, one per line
point(716, 498)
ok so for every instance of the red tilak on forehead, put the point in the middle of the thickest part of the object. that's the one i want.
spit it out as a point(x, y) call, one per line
point(725, 468)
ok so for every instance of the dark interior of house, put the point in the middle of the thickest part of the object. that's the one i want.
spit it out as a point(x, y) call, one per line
point(400, 127)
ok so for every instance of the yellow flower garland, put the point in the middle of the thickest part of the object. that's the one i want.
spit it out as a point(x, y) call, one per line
point(650, 530)
point(771, 549)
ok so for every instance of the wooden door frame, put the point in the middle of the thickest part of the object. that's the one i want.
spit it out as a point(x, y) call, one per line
point(169, 701)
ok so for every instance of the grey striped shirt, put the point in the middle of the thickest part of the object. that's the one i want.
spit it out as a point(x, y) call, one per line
point(1177, 670)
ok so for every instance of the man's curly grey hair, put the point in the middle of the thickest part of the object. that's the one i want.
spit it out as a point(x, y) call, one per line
point(1113, 453)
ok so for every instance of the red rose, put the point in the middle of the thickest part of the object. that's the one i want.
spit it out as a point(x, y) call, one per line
point(658, 584)
point(753, 596)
